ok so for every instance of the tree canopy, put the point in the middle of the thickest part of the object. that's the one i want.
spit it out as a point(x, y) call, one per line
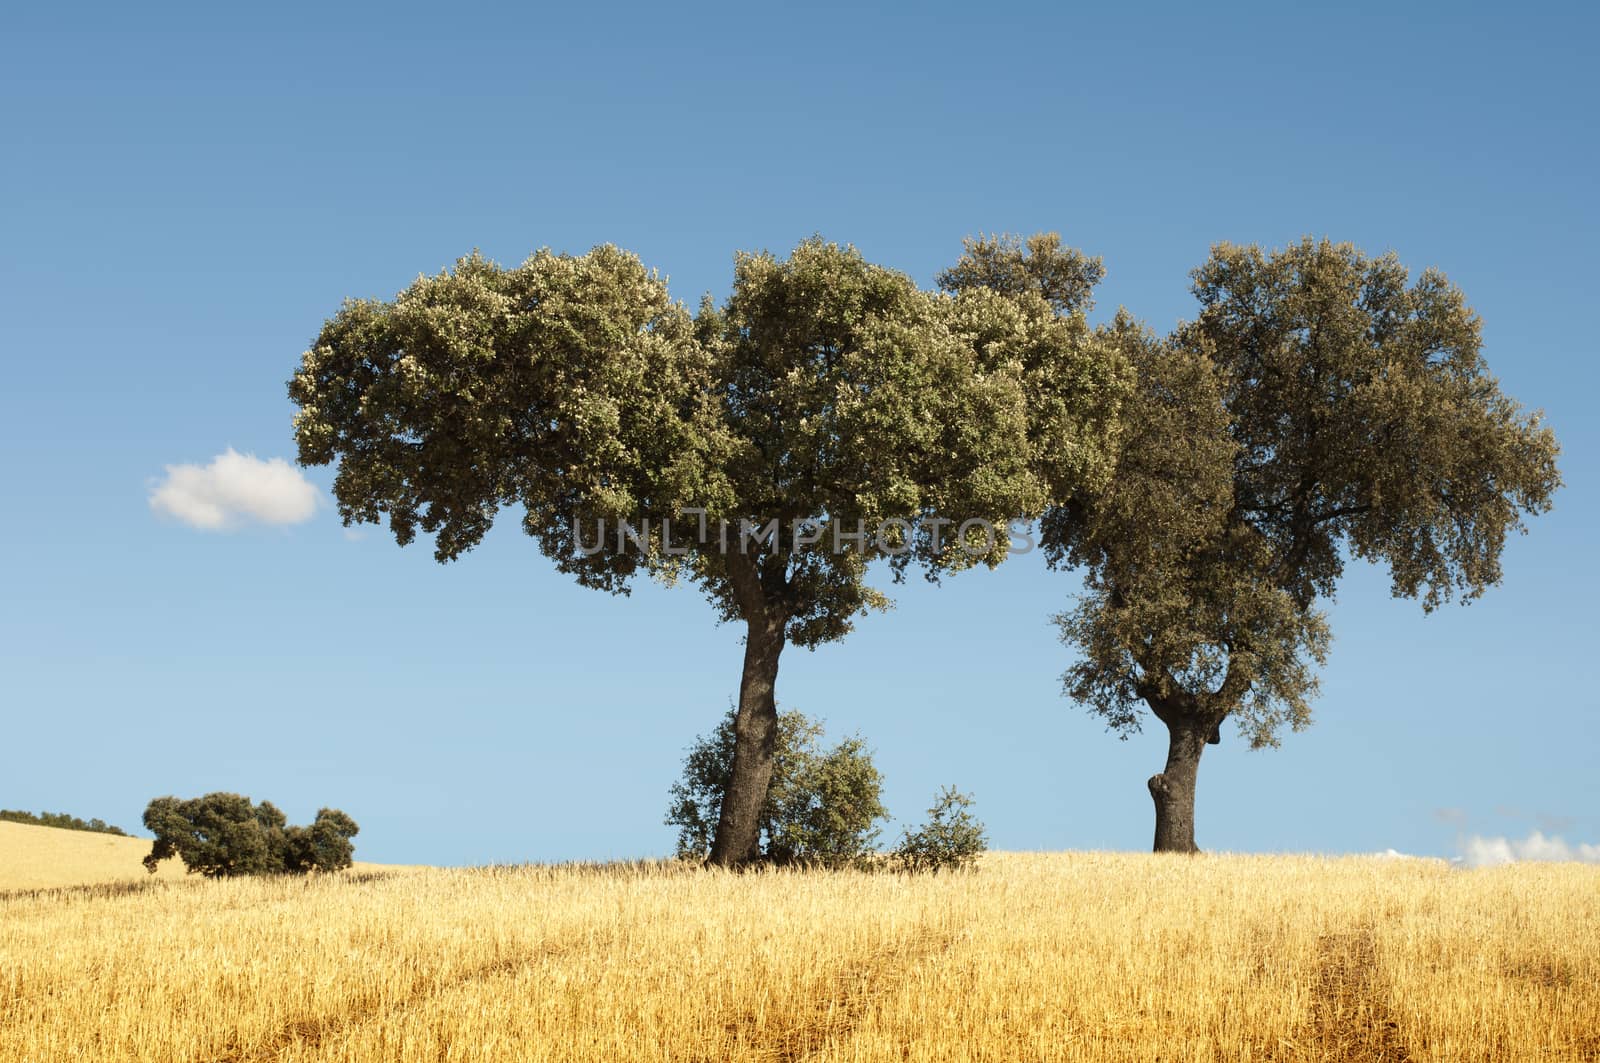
point(826, 390)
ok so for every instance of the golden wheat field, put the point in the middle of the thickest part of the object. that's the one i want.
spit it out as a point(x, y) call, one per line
point(1076, 956)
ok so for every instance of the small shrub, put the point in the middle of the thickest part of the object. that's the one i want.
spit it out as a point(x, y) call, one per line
point(952, 839)
point(222, 835)
point(822, 805)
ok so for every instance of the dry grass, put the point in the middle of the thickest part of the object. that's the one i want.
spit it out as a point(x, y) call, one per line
point(1071, 956)
point(48, 857)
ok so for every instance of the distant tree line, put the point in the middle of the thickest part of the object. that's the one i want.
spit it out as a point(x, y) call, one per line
point(60, 820)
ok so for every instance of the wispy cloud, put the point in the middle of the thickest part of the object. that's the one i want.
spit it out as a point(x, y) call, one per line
point(1477, 851)
point(233, 490)
point(1456, 816)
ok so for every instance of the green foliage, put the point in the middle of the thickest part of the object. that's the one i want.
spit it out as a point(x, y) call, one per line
point(1321, 407)
point(219, 834)
point(825, 389)
point(952, 839)
point(60, 820)
point(323, 846)
point(822, 805)
point(1063, 276)
point(223, 834)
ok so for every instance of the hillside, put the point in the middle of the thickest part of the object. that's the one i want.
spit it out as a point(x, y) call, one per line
point(48, 857)
point(42, 857)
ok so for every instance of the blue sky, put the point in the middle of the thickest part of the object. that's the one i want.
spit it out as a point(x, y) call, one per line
point(188, 192)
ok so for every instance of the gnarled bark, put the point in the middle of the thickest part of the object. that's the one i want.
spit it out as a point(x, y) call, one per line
point(1173, 789)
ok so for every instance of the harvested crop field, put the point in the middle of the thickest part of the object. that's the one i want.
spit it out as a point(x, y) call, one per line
point(1080, 956)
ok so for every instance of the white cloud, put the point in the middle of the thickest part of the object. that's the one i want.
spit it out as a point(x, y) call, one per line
point(235, 489)
point(1490, 852)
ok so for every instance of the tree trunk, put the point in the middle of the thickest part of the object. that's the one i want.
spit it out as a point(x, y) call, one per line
point(755, 737)
point(1173, 789)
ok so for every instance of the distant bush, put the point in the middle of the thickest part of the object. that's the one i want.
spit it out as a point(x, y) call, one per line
point(323, 846)
point(61, 820)
point(223, 834)
point(822, 806)
point(952, 839)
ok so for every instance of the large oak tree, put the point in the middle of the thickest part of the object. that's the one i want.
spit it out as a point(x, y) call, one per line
point(870, 419)
point(1321, 407)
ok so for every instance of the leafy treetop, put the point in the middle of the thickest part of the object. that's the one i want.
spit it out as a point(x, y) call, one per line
point(1321, 406)
point(825, 389)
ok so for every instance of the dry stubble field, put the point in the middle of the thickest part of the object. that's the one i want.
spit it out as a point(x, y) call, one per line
point(1080, 956)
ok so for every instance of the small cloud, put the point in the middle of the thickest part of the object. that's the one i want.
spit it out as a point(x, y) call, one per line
point(355, 535)
point(1395, 854)
point(1454, 816)
point(235, 489)
point(1555, 824)
point(1491, 852)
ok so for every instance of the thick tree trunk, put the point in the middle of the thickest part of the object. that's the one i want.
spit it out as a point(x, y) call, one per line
point(1173, 789)
point(755, 736)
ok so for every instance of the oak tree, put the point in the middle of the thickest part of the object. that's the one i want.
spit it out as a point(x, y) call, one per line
point(223, 835)
point(1322, 406)
point(828, 415)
